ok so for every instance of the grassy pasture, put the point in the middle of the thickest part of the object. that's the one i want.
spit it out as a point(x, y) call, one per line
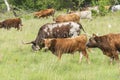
point(19, 62)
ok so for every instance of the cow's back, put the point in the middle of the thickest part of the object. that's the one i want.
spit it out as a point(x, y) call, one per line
point(110, 41)
point(71, 44)
point(68, 17)
point(115, 40)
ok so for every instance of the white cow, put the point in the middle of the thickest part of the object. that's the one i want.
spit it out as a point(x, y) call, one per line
point(86, 15)
point(115, 8)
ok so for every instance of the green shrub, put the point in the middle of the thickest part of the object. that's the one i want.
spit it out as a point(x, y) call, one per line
point(102, 10)
point(94, 13)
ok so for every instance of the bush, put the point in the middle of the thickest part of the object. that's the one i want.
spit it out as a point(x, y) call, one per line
point(102, 10)
point(94, 13)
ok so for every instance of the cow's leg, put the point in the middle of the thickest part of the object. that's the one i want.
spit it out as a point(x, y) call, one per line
point(113, 55)
point(20, 28)
point(111, 60)
point(80, 59)
point(8, 27)
point(109, 54)
point(84, 52)
point(20, 25)
point(59, 54)
point(116, 55)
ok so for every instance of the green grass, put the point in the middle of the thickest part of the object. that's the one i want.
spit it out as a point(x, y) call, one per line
point(19, 62)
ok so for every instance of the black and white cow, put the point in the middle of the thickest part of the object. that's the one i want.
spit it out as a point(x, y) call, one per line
point(56, 30)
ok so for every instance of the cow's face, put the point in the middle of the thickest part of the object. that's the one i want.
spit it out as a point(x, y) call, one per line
point(93, 41)
point(47, 43)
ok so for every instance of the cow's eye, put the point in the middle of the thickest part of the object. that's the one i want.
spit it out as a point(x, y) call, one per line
point(98, 41)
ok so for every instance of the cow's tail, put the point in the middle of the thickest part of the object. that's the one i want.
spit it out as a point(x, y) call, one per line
point(81, 27)
point(88, 35)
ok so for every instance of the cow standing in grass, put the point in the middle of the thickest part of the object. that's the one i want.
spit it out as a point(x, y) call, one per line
point(56, 30)
point(115, 8)
point(68, 17)
point(44, 13)
point(58, 46)
point(86, 14)
point(9, 23)
point(109, 44)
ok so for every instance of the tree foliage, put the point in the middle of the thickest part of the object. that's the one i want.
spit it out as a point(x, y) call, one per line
point(57, 4)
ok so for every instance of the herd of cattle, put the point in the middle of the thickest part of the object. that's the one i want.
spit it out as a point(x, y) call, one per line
point(63, 36)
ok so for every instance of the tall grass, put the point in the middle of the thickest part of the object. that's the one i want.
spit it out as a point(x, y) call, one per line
point(19, 62)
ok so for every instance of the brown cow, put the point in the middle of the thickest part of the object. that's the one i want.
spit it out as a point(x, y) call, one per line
point(9, 23)
point(109, 44)
point(68, 17)
point(44, 13)
point(58, 46)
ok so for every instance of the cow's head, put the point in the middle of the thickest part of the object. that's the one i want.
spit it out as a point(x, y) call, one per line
point(93, 41)
point(48, 43)
point(35, 47)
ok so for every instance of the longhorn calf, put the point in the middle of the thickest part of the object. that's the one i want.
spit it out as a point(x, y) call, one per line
point(58, 46)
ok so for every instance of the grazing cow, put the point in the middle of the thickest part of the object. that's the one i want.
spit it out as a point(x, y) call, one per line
point(9, 23)
point(86, 15)
point(109, 44)
point(56, 30)
point(68, 17)
point(115, 8)
point(44, 13)
point(59, 46)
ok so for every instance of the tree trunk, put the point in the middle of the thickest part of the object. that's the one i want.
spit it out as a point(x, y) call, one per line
point(8, 6)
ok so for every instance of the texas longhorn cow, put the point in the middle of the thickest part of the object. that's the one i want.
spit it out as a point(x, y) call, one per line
point(55, 30)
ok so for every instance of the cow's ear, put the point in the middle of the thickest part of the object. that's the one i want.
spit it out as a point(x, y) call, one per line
point(94, 35)
point(53, 40)
point(98, 39)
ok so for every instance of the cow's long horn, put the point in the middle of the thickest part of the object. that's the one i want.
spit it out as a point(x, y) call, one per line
point(27, 42)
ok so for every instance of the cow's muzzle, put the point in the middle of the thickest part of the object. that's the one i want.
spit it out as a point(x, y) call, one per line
point(35, 48)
